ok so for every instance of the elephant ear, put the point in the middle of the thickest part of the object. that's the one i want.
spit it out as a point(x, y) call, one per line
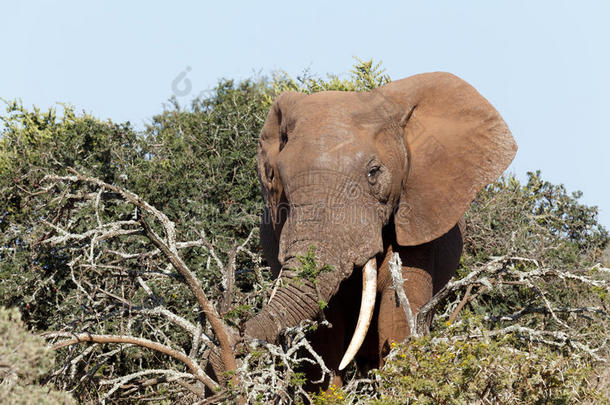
point(457, 144)
point(270, 143)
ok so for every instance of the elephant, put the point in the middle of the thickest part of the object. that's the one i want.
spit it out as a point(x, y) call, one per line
point(359, 176)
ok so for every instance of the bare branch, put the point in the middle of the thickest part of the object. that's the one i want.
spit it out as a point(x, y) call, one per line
point(269, 381)
point(545, 310)
point(206, 306)
point(118, 382)
point(105, 231)
point(211, 250)
point(395, 266)
point(463, 302)
point(149, 344)
point(421, 318)
point(228, 281)
point(169, 249)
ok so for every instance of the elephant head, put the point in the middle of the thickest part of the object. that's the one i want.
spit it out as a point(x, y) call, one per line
point(336, 167)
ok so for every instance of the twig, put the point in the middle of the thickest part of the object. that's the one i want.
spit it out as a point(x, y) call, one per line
point(493, 266)
point(169, 249)
point(149, 344)
point(395, 266)
point(461, 305)
point(228, 281)
point(195, 287)
point(118, 382)
point(545, 310)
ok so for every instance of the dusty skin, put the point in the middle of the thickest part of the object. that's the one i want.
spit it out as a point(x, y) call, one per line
point(362, 175)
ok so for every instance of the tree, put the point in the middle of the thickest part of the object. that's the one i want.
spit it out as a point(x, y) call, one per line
point(144, 248)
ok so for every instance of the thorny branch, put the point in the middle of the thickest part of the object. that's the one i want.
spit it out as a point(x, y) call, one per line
point(197, 290)
point(170, 375)
point(149, 344)
point(167, 246)
point(257, 373)
point(502, 271)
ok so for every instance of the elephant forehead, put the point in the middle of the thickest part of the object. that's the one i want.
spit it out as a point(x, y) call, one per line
point(339, 113)
point(333, 131)
point(333, 153)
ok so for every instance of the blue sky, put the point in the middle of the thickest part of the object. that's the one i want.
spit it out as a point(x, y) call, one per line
point(545, 65)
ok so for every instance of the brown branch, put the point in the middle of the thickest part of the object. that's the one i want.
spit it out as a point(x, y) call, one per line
point(216, 399)
point(170, 250)
point(195, 286)
point(149, 344)
point(461, 305)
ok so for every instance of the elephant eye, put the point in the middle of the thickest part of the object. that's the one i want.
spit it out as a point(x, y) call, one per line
point(372, 174)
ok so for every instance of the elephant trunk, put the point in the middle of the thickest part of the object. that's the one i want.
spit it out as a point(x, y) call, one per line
point(297, 297)
point(348, 243)
point(299, 300)
point(289, 305)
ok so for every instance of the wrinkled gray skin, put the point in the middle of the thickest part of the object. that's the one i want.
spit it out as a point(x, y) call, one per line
point(325, 174)
point(359, 175)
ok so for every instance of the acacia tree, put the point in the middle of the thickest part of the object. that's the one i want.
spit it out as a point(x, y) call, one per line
point(135, 252)
point(55, 279)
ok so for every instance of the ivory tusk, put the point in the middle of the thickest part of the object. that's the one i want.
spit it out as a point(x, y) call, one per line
point(367, 305)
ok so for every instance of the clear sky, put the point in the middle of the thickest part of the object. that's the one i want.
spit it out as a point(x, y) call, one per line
point(544, 65)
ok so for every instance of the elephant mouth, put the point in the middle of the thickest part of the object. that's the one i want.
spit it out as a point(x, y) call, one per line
point(367, 305)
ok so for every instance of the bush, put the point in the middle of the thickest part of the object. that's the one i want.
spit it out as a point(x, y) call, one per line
point(33, 144)
point(25, 360)
point(530, 327)
point(74, 256)
point(536, 219)
point(446, 368)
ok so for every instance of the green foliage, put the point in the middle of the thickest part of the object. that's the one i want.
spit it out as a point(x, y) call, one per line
point(536, 219)
point(238, 312)
point(298, 379)
point(459, 364)
point(310, 269)
point(32, 145)
point(24, 362)
point(438, 369)
point(539, 221)
point(198, 165)
point(364, 76)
